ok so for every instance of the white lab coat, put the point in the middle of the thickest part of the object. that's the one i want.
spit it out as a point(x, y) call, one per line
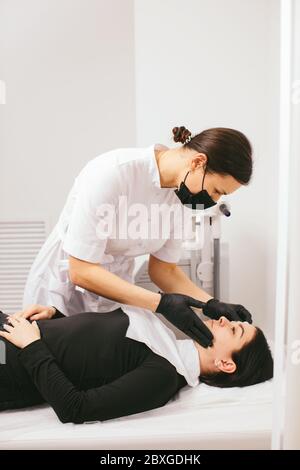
point(129, 172)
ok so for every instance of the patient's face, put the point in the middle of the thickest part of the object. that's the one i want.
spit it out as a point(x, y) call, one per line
point(229, 336)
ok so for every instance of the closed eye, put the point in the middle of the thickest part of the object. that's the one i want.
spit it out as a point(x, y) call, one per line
point(233, 330)
point(220, 192)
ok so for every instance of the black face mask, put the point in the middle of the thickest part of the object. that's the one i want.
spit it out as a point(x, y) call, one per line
point(192, 200)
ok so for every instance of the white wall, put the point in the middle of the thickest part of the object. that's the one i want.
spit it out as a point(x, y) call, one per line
point(69, 73)
point(208, 63)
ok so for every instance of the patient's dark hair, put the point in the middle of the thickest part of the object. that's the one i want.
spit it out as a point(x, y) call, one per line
point(254, 364)
point(228, 151)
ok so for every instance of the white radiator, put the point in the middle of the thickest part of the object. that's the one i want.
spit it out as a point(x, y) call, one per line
point(20, 242)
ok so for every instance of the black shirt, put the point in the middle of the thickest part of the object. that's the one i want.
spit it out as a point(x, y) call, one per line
point(88, 370)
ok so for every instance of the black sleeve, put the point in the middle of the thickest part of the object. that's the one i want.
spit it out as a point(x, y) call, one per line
point(57, 314)
point(149, 386)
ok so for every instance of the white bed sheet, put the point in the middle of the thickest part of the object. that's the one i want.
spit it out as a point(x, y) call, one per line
point(196, 418)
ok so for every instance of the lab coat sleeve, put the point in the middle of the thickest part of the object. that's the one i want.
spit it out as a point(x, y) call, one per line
point(182, 230)
point(170, 252)
point(149, 386)
point(92, 220)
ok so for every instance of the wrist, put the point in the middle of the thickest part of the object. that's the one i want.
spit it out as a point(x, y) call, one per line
point(155, 299)
point(52, 310)
point(28, 342)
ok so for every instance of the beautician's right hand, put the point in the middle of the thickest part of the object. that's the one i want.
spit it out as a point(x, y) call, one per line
point(36, 312)
point(177, 309)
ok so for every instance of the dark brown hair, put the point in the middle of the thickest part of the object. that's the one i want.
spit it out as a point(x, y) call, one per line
point(228, 151)
point(254, 364)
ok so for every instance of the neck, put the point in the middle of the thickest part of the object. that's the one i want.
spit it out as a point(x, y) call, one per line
point(170, 163)
point(205, 358)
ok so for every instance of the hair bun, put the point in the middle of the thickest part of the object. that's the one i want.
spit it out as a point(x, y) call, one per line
point(181, 134)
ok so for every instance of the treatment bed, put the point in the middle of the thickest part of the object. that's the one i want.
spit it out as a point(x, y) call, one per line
point(196, 418)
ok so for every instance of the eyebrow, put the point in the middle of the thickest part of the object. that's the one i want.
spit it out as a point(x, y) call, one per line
point(243, 331)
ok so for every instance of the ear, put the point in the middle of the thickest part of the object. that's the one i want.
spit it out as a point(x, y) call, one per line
point(198, 161)
point(228, 366)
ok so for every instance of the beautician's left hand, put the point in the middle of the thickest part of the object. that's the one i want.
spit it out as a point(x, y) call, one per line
point(234, 312)
point(20, 332)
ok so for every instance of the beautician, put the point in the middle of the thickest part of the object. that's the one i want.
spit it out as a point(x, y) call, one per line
point(81, 267)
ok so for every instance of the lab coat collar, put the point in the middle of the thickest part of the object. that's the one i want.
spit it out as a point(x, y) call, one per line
point(153, 168)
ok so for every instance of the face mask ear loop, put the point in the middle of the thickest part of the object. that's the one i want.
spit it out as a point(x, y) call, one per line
point(185, 177)
point(203, 177)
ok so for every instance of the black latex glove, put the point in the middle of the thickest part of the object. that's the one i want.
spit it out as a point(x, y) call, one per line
point(177, 309)
point(234, 312)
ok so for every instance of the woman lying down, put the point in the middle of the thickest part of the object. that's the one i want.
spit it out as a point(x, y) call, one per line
point(87, 369)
